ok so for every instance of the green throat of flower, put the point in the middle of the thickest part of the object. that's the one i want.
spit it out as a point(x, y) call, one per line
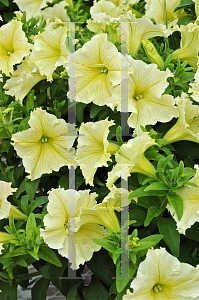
point(157, 288)
point(44, 139)
point(104, 70)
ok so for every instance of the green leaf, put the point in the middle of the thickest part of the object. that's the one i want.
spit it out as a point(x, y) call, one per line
point(80, 111)
point(157, 186)
point(187, 77)
point(122, 282)
point(31, 226)
point(186, 19)
point(108, 245)
point(153, 212)
point(37, 202)
point(140, 192)
point(31, 187)
point(5, 2)
point(24, 204)
point(183, 3)
point(96, 290)
point(102, 266)
point(4, 134)
point(148, 242)
point(192, 233)
point(139, 215)
point(41, 98)
point(39, 289)
point(8, 292)
point(177, 202)
point(20, 190)
point(95, 109)
point(167, 227)
point(24, 124)
point(73, 292)
point(49, 255)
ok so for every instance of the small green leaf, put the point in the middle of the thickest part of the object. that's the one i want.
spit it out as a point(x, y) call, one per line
point(148, 242)
point(24, 204)
point(177, 202)
point(31, 187)
point(157, 186)
point(49, 255)
point(153, 212)
point(140, 192)
point(37, 202)
point(122, 282)
point(167, 227)
point(39, 289)
point(108, 245)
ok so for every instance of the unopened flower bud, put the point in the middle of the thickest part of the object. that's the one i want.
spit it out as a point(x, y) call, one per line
point(152, 54)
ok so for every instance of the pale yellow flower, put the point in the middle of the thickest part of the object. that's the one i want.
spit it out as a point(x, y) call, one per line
point(196, 7)
point(195, 87)
point(139, 30)
point(155, 10)
point(32, 7)
point(13, 46)
point(190, 196)
point(145, 100)
point(103, 213)
point(189, 45)
point(57, 12)
point(50, 51)
point(187, 125)
point(47, 145)
point(63, 209)
point(97, 69)
point(22, 81)
point(130, 159)
point(6, 209)
point(161, 276)
point(92, 148)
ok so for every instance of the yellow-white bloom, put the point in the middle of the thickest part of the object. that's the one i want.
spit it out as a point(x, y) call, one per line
point(97, 70)
point(103, 213)
point(23, 80)
point(163, 11)
point(13, 46)
point(196, 7)
point(145, 100)
point(139, 30)
point(195, 87)
point(50, 51)
point(57, 12)
point(189, 45)
point(187, 125)
point(190, 196)
point(63, 209)
point(92, 148)
point(47, 145)
point(6, 209)
point(130, 159)
point(161, 276)
point(32, 7)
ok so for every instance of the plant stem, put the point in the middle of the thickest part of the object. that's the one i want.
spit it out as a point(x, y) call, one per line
point(4, 174)
point(27, 276)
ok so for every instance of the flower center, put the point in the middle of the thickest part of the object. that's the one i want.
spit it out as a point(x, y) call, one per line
point(134, 243)
point(138, 97)
point(44, 139)
point(104, 70)
point(157, 288)
point(66, 224)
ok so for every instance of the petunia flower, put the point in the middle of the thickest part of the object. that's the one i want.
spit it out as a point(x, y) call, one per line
point(190, 196)
point(97, 70)
point(6, 209)
point(163, 11)
point(161, 276)
point(187, 125)
point(130, 159)
point(57, 12)
point(32, 7)
point(23, 80)
point(103, 213)
point(50, 51)
point(13, 46)
point(92, 149)
point(189, 45)
point(139, 29)
point(145, 100)
point(63, 209)
point(47, 145)
point(195, 87)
